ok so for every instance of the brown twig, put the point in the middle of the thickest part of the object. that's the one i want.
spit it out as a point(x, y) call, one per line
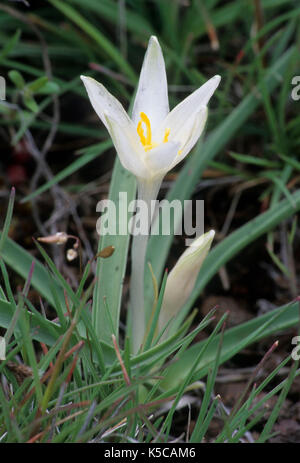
point(252, 378)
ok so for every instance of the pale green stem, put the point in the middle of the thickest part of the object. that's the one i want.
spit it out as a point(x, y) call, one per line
point(147, 191)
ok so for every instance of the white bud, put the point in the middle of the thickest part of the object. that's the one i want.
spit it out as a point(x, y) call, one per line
point(182, 278)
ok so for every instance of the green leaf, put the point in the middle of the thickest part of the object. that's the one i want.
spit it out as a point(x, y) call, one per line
point(247, 159)
point(49, 88)
point(30, 103)
point(110, 272)
point(8, 218)
point(10, 45)
point(37, 84)
point(17, 78)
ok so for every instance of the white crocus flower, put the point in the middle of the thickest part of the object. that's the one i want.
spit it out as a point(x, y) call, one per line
point(153, 140)
point(149, 144)
point(182, 278)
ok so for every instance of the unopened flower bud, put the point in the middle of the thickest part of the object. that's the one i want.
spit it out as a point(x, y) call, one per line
point(182, 278)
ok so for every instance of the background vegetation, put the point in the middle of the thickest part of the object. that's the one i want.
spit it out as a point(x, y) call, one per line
point(66, 378)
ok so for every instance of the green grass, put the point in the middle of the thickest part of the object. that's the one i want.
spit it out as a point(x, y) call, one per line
point(81, 381)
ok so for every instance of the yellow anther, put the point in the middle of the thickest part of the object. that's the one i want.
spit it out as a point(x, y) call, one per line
point(146, 121)
point(140, 131)
point(167, 133)
point(146, 140)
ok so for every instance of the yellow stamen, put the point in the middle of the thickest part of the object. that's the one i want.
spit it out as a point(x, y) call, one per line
point(167, 133)
point(140, 131)
point(146, 121)
point(146, 140)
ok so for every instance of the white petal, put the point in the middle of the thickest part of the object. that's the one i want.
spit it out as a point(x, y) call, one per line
point(104, 102)
point(160, 159)
point(189, 106)
point(128, 146)
point(152, 93)
point(190, 134)
point(201, 243)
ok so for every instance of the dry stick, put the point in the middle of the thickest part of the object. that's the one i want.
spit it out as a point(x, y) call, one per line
point(124, 371)
point(230, 214)
point(210, 28)
point(252, 378)
point(76, 348)
point(87, 420)
point(108, 72)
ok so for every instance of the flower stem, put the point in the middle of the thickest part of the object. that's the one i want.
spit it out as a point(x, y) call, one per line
point(147, 191)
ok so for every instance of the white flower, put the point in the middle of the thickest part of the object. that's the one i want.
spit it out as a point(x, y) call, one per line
point(182, 278)
point(154, 140)
point(149, 144)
